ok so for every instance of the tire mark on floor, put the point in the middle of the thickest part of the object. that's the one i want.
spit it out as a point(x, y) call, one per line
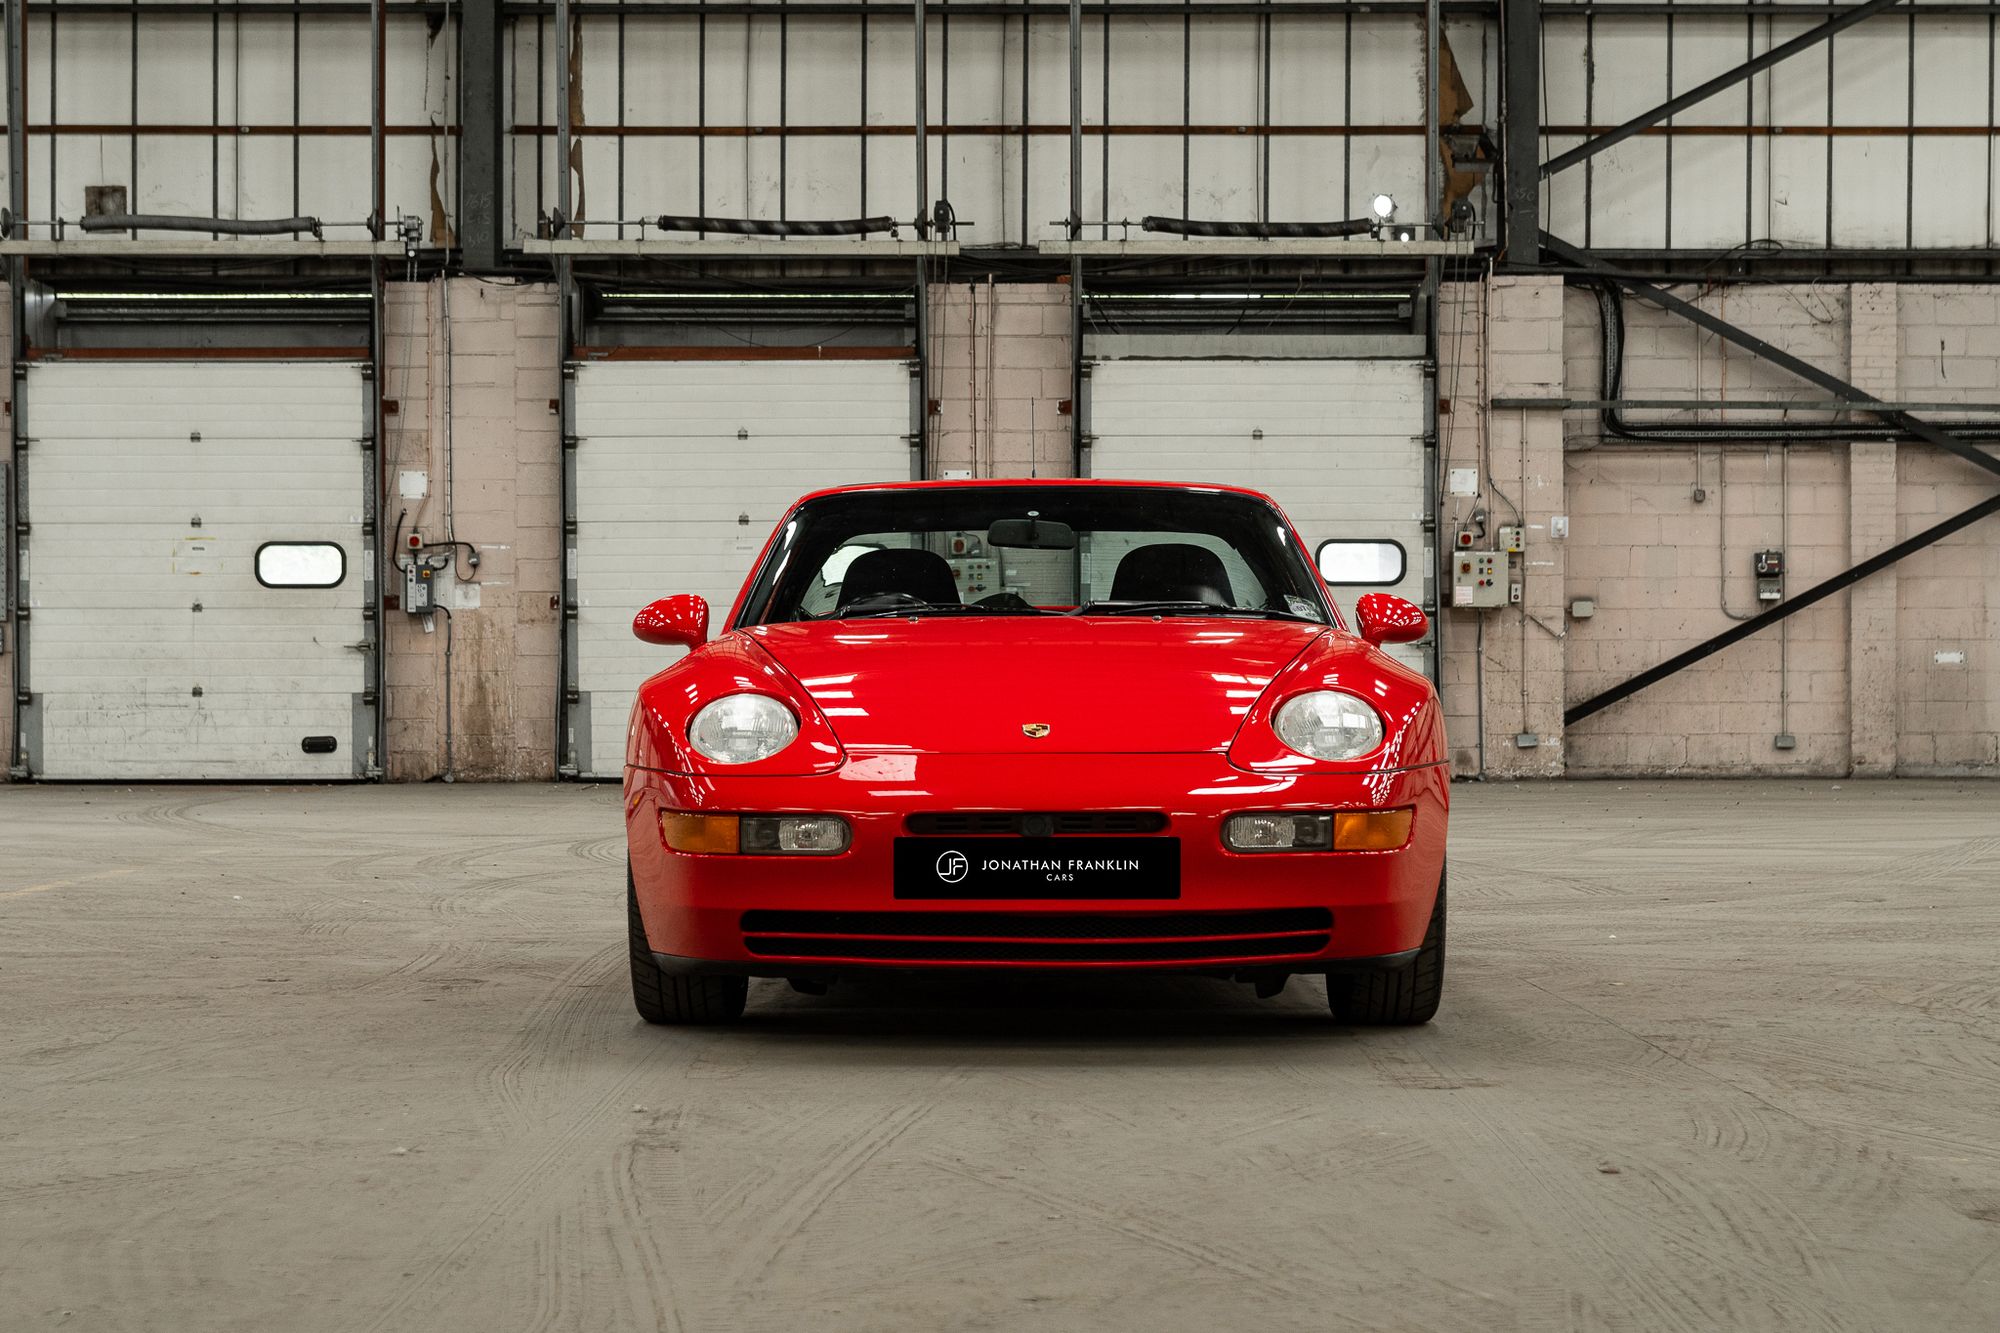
point(528, 1187)
point(767, 1246)
point(1207, 1253)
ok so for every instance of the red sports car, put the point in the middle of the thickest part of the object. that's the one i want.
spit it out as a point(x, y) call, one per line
point(1036, 724)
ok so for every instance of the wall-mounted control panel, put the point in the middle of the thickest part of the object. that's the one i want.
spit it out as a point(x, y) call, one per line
point(426, 583)
point(419, 588)
point(1770, 566)
point(976, 578)
point(1479, 578)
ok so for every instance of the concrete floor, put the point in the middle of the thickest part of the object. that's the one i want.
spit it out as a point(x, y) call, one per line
point(1712, 1056)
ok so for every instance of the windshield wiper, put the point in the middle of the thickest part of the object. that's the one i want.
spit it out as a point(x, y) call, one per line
point(912, 609)
point(1186, 608)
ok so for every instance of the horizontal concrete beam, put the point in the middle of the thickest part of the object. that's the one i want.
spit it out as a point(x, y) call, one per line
point(1728, 404)
point(1251, 248)
point(260, 247)
point(1247, 346)
point(746, 247)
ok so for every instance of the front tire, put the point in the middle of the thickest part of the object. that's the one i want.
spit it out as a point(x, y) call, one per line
point(663, 997)
point(1398, 996)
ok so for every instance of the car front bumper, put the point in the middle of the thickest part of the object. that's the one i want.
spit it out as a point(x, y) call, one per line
point(812, 915)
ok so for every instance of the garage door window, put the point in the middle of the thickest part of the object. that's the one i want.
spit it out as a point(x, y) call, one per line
point(301, 564)
point(1362, 564)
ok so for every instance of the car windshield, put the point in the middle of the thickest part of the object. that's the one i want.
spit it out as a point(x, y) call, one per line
point(1034, 551)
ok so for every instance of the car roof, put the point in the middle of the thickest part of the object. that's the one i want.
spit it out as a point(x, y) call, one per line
point(980, 483)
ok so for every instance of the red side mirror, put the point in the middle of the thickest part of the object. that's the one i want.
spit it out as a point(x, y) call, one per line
point(677, 622)
point(1387, 619)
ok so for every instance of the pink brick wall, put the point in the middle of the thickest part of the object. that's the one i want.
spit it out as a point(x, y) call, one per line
point(1000, 374)
point(12, 573)
point(1518, 455)
point(1899, 675)
point(505, 490)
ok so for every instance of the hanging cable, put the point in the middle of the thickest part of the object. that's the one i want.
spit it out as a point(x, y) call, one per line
point(1258, 230)
point(1611, 313)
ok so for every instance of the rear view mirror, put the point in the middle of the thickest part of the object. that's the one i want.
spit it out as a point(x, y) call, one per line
point(1031, 534)
point(676, 622)
point(1384, 618)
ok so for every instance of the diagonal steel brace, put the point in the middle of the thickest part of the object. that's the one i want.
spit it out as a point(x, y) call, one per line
point(1840, 389)
point(1645, 120)
point(1777, 356)
point(1791, 606)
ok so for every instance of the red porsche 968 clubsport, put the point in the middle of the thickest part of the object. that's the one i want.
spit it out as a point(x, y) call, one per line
point(1036, 725)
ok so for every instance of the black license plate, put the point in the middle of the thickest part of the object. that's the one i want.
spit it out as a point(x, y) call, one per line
point(1038, 867)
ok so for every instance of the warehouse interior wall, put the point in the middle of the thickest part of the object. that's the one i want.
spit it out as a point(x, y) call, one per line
point(240, 112)
point(1882, 140)
point(1898, 675)
point(9, 627)
point(471, 382)
point(1001, 359)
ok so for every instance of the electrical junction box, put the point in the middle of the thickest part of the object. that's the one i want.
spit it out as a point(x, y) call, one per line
point(420, 587)
point(1510, 540)
point(1770, 566)
point(976, 578)
point(1479, 579)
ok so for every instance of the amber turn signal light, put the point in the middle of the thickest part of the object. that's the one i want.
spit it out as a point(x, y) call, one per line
point(755, 835)
point(1371, 830)
point(713, 834)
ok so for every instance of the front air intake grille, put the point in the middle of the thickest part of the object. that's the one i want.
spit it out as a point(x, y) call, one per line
point(1030, 937)
point(998, 823)
point(1042, 925)
point(956, 825)
point(1034, 951)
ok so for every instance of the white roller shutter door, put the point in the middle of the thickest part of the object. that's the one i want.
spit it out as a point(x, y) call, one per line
point(681, 470)
point(153, 651)
point(1339, 444)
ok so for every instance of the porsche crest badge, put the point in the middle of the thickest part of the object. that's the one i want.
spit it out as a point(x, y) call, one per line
point(1034, 731)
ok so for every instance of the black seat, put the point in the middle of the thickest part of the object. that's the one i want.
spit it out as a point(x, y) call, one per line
point(1172, 572)
point(924, 575)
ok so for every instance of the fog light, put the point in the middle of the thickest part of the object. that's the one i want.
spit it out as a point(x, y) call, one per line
point(1339, 831)
point(1278, 832)
point(1371, 830)
point(757, 835)
point(798, 835)
point(688, 832)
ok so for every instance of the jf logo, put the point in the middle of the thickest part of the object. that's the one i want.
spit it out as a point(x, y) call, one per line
point(953, 867)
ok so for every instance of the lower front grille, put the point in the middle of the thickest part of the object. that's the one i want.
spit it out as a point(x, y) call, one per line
point(960, 823)
point(1027, 937)
point(1034, 951)
point(1042, 925)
